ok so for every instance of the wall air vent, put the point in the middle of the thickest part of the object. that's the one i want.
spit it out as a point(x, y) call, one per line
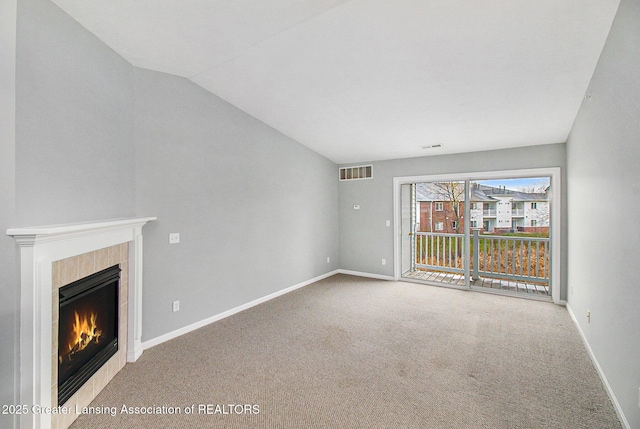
point(356, 173)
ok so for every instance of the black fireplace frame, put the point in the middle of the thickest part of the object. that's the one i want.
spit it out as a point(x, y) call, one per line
point(77, 290)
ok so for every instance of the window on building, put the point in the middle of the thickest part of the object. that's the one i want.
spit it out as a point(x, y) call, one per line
point(476, 206)
point(474, 224)
point(534, 205)
point(439, 226)
point(439, 206)
point(534, 222)
point(454, 224)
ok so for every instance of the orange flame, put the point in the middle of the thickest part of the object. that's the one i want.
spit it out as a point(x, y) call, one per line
point(85, 330)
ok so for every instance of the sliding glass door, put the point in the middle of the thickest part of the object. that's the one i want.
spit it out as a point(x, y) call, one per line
point(437, 232)
point(479, 233)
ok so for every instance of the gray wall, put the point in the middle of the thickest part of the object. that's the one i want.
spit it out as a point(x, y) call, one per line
point(71, 158)
point(8, 251)
point(74, 122)
point(364, 238)
point(603, 152)
point(256, 211)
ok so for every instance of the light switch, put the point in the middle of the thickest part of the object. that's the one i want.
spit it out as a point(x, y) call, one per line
point(174, 238)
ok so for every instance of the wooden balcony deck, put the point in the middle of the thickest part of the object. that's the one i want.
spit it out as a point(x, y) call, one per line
point(457, 279)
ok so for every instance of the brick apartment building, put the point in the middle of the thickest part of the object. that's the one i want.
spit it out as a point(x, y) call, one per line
point(494, 210)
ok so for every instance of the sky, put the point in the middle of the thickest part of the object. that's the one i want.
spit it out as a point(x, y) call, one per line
point(517, 184)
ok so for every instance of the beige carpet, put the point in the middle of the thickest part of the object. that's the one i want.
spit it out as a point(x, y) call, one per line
point(349, 352)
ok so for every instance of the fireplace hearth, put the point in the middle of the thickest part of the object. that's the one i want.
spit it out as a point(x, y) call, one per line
point(88, 328)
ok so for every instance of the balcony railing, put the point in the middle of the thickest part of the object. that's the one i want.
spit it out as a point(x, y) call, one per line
point(443, 252)
point(515, 258)
point(489, 212)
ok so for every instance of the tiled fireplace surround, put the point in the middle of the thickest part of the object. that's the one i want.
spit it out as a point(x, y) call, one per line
point(52, 257)
point(69, 270)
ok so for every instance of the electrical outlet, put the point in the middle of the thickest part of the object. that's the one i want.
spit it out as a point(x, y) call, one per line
point(588, 316)
point(384, 262)
point(388, 223)
point(356, 206)
point(176, 306)
point(174, 238)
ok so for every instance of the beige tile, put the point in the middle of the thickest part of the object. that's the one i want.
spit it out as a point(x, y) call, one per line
point(123, 313)
point(54, 337)
point(114, 366)
point(124, 252)
point(55, 275)
point(54, 371)
point(114, 255)
point(123, 355)
point(72, 417)
point(54, 395)
point(85, 393)
point(65, 420)
point(122, 338)
point(124, 291)
point(86, 264)
point(102, 259)
point(69, 270)
point(55, 305)
point(124, 272)
point(101, 378)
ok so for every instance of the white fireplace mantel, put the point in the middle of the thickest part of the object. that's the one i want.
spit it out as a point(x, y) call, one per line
point(39, 248)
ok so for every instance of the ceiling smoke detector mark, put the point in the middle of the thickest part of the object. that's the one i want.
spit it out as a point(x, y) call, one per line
point(431, 146)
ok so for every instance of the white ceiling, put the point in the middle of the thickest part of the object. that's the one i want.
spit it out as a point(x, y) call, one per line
point(364, 80)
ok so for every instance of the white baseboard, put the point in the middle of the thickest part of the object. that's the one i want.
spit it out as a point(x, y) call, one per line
point(369, 275)
point(607, 386)
point(178, 332)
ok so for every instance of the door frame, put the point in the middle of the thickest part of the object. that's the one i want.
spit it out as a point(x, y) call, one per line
point(555, 234)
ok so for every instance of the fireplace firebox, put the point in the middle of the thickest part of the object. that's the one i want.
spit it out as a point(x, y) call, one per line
point(87, 329)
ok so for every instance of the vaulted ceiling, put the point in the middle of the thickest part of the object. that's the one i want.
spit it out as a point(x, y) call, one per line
point(363, 80)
